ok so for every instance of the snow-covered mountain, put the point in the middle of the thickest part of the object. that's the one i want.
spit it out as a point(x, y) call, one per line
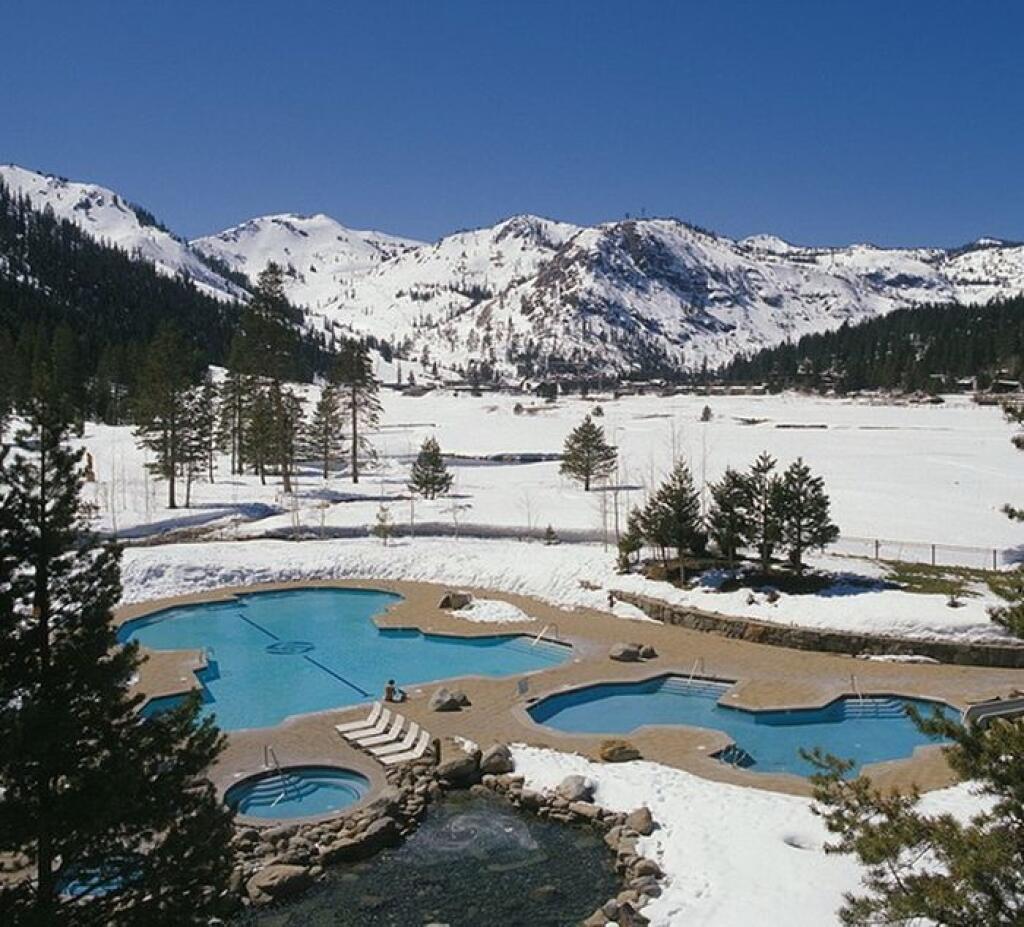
point(320, 256)
point(110, 218)
point(538, 295)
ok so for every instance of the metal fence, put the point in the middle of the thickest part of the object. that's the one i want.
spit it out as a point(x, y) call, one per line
point(955, 555)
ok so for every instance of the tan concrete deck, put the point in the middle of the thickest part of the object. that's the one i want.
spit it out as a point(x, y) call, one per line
point(767, 677)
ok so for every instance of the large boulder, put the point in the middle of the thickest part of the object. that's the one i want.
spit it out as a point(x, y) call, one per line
point(445, 699)
point(641, 821)
point(454, 600)
point(625, 653)
point(378, 834)
point(575, 788)
point(497, 760)
point(460, 771)
point(618, 751)
point(277, 882)
point(647, 652)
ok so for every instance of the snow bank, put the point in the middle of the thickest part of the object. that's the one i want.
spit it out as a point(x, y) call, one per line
point(492, 611)
point(734, 856)
point(564, 575)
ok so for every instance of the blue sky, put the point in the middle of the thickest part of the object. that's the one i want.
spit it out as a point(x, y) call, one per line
point(824, 122)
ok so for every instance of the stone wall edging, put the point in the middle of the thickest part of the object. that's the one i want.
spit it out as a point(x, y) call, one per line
point(963, 653)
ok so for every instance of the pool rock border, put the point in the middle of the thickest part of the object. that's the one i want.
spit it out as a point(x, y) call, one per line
point(279, 862)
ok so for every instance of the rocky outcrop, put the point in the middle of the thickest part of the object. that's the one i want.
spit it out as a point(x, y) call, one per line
point(575, 788)
point(445, 699)
point(277, 883)
point(497, 760)
point(631, 653)
point(461, 771)
point(453, 600)
point(641, 821)
point(618, 751)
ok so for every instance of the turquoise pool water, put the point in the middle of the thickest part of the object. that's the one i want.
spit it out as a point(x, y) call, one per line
point(865, 730)
point(275, 654)
point(297, 791)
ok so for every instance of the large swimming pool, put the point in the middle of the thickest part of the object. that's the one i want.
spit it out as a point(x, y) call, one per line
point(275, 654)
point(866, 730)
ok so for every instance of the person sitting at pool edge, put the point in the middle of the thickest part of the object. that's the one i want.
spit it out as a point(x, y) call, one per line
point(392, 693)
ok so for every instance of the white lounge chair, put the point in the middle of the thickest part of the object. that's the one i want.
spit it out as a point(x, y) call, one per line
point(414, 754)
point(369, 721)
point(390, 735)
point(406, 743)
point(379, 728)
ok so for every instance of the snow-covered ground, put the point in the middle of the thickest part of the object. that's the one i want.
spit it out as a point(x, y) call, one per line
point(920, 475)
point(734, 856)
point(917, 474)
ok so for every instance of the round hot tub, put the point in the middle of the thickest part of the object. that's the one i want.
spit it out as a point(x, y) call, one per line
point(297, 792)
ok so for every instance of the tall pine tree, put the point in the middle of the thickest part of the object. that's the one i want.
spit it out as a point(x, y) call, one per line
point(112, 812)
point(804, 517)
point(430, 477)
point(762, 485)
point(728, 518)
point(671, 517)
point(324, 438)
point(586, 455)
point(353, 373)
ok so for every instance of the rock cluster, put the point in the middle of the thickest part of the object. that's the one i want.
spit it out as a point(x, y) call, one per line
point(571, 802)
point(279, 862)
point(631, 653)
point(449, 700)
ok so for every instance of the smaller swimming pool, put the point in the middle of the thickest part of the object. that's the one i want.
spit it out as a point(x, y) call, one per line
point(297, 792)
point(871, 729)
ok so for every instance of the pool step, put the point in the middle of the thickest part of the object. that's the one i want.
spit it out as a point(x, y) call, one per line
point(701, 688)
point(873, 708)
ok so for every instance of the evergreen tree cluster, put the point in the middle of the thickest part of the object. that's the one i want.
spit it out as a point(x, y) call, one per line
point(759, 510)
point(91, 311)
point(924, 348)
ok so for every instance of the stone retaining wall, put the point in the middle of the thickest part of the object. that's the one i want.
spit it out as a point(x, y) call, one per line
point(1007, 656)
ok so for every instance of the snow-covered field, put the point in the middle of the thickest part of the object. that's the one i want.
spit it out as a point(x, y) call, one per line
point(734, 856)
point(926, 474)
point(917, 474)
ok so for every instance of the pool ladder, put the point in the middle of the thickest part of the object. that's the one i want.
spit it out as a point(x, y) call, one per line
point(544, 631)
point(698, 664)
point(856, 688)
point(269, 754)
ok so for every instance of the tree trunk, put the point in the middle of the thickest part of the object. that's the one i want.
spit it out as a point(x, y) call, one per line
point(355, 438)
point(45, 882)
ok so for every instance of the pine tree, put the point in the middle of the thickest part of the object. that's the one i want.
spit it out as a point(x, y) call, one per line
point(803, 510)
point(632, 540)
point(353, 373)
point(587, 456)
point(199, 443)
point(934, 868)
point(162, 412)
point(89, 792)
point(430, 477)
point(671, 517)
point(324, 440)
point(728, 518)
point(764, 524)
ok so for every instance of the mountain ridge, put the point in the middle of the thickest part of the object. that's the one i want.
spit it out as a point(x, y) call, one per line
point(534, 296)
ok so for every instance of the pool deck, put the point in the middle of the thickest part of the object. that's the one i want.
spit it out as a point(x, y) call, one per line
point(768, 677)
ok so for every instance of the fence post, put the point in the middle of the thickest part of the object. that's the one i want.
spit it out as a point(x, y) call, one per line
point(876, 548)
point(933, 555)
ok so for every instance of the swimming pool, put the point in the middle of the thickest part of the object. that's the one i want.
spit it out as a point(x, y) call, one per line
point(866, 730)
point(297, 791)
point(275, 654)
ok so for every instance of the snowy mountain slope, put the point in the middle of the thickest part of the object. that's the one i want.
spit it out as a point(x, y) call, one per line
point(644, 294)
point(107, 217)
point(531, 295)
point(320, 256)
